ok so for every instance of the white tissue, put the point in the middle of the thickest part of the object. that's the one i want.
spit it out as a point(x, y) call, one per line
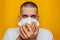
point(28, 20)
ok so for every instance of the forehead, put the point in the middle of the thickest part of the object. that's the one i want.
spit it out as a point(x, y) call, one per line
point(29, 10)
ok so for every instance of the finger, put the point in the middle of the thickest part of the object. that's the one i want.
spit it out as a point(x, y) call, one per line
point(25, 30)
point(34, 25)
point(21, 34)
point(29, 27)
point(30, 30)
point(22, 31)
point(36, 30)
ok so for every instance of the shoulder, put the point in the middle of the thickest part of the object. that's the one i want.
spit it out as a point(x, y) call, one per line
point(42, 30)
point(11, 33)
point(10, 30)
point(45, 34)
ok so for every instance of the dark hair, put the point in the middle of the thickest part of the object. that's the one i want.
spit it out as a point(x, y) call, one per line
point(30, 4)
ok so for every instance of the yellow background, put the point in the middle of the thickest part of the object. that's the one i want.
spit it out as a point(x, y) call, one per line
point(49, 12)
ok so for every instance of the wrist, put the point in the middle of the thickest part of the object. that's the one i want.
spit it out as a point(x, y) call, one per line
point(33, 39)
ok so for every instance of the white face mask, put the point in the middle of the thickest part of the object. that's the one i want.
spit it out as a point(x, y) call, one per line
point(28, 20)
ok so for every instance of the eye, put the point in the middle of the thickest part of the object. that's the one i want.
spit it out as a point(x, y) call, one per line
point(33, 16)
point(24, 16)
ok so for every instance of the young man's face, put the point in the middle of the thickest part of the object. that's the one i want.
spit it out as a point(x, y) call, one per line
point(29, 12)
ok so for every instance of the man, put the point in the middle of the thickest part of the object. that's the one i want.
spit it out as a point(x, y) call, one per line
point(28, 31)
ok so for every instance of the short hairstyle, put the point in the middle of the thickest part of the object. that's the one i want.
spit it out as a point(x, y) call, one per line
point(30, 4)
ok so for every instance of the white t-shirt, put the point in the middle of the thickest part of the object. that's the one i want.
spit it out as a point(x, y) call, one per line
point(13, 33)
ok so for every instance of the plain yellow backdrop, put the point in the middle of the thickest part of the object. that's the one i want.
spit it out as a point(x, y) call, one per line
point(49, 14)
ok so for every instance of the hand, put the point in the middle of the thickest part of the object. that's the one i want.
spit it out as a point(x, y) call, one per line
point(19, 38)
point(29, 31)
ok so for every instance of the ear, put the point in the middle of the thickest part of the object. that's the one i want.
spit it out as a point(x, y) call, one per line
point(19, 18)
point(37, 17)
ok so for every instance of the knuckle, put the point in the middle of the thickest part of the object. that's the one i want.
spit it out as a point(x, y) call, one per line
point(29, 35)
point(26, 37)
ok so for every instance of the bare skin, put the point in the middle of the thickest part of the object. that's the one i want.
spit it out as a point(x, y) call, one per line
point(28, 31)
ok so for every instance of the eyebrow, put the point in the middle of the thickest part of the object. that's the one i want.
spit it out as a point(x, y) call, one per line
point(24, 15)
